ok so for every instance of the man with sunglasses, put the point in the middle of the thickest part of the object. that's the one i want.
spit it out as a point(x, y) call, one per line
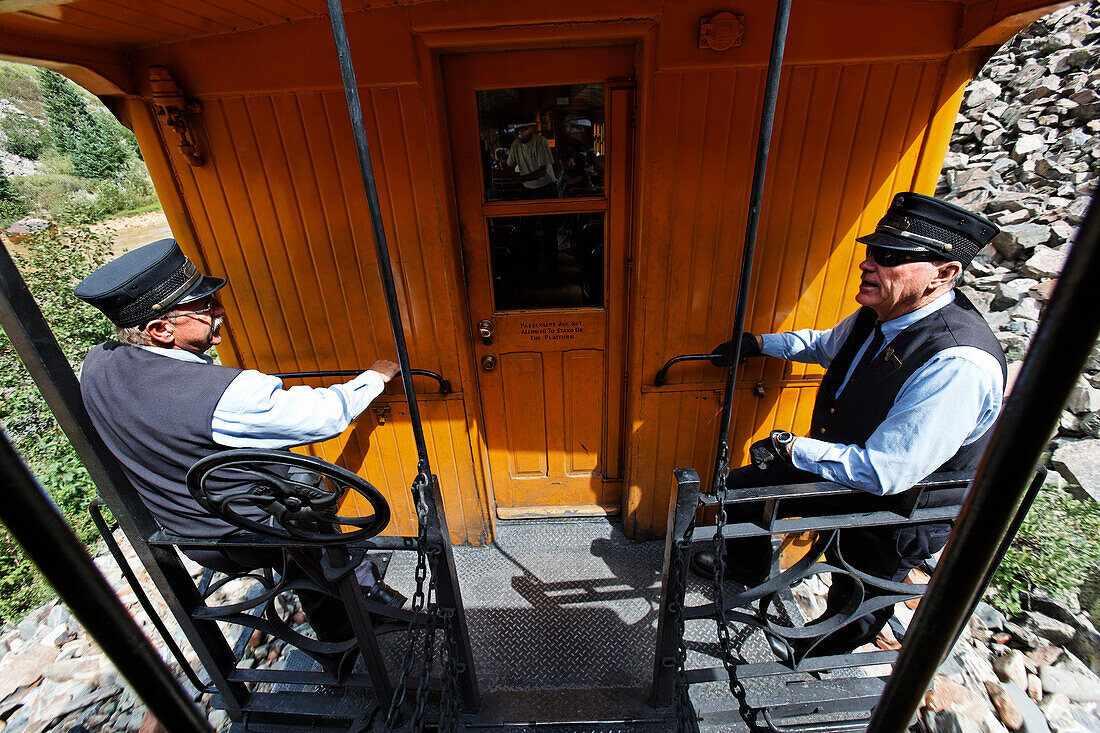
point(160, 403)
point(914, 381)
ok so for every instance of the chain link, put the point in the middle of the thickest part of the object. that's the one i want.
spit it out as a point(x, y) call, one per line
point(737, 688)
point(448, 708)
point(418, 606)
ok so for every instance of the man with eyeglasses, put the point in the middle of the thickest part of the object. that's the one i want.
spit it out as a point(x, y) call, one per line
point(160, 403)
point(914, 381)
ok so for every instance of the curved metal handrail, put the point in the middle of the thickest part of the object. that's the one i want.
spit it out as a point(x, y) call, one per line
point(662, 374)
point(444, 385)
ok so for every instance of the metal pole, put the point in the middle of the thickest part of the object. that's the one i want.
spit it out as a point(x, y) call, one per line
point(763, 142)
point(351, 91)
point(1058, 352)
point(35, 522)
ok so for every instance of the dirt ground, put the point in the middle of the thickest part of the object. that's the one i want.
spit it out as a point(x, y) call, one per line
point(133, 231)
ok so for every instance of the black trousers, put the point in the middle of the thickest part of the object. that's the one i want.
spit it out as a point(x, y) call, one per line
point(326, 614)
point(888, 552)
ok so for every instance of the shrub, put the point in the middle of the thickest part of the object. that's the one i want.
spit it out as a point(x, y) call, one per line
point(12, 203)
point(1057, 544)
point(25, 135)
point(52, 264)
point(64, 108)
point(98, 150)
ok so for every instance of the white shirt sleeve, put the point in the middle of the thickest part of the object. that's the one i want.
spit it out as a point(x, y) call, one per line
point(256, 412)
point(807, 345)
point(947, 403)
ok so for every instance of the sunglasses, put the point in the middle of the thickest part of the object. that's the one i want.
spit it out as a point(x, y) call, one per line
point(886, 257)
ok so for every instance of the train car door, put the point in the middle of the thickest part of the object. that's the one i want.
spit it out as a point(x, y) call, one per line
point(541, 149)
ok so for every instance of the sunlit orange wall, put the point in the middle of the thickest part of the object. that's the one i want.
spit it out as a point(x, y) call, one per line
point(279, 208)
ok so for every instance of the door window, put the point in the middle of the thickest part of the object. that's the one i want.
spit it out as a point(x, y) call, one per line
point(542, 142)
point(547, 261)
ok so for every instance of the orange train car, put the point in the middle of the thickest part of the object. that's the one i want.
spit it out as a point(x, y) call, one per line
point(550, 303)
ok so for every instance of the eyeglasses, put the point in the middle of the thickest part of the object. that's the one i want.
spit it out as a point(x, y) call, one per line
point(886, 257)
point(211, 302)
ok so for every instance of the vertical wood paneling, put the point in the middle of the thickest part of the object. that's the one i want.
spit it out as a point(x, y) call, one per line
point(846, 138)
point(281, 212)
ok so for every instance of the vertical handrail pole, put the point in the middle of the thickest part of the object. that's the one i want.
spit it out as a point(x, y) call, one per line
point(763, 143)
point(1030, 415)
point(385, 269)
point(34, 521)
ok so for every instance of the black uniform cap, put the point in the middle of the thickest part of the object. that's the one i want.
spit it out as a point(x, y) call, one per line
point(144, 283)
point(916, 222)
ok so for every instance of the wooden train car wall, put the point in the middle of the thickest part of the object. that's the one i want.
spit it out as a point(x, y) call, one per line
point(555, 413)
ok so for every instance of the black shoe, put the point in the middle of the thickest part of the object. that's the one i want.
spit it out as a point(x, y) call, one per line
point(387, 596)
point(702, 564)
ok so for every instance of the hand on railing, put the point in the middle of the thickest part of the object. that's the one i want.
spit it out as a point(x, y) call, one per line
point(444, 385)
point(719, 357)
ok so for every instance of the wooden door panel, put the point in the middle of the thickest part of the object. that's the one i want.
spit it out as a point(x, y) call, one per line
point(546, 269)
point(525, 424)
point(582, 379)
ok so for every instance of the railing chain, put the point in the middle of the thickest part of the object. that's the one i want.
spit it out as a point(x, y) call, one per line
point(737, 688)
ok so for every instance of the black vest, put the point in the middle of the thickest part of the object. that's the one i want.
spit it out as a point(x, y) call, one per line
point(154, 414)
point(869, 395)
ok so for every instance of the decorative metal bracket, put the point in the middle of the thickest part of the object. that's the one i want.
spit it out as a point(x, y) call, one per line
point(172, 105)
point(721, 31)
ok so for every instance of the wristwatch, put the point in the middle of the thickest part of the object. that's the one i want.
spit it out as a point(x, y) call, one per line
point(782, 440)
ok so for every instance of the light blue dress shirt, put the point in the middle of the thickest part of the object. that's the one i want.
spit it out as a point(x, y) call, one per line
point(256, 412)
point(947, 403)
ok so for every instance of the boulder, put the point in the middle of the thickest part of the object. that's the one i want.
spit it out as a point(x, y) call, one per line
point(1045, 262)
point(1011, 668)
point(1055, 631)
point(1079, 464)
point(1076, 687)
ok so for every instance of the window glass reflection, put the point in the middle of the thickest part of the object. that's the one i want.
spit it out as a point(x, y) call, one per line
point(542, 142)
point(551, 261)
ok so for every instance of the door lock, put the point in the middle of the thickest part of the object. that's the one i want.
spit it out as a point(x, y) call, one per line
point(488, 362)
point(486, 329)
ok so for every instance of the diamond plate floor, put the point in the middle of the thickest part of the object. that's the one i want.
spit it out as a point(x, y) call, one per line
point(563, 624)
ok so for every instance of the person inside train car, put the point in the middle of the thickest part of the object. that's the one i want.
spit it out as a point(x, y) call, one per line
point(160, 403)
point(914, 382)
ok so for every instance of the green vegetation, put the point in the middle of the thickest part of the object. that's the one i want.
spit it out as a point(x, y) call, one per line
point(26, 137)
point(12, 205)
point(89, 168)
point(52, 264)
point(1058, 543)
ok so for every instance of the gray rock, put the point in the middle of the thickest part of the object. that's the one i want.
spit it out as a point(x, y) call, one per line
point(1077, 687)
point(1056, 632)
point(981, 91)
point(1011, 668)
point(1034, 722)
point(1079, 464)
point(1027, 309)
point(1027, 144)
point(993, 619)
point(1083, 398)
point(1071, 719)
point(1045, 262)
point(1011, 292)
point(217, 718)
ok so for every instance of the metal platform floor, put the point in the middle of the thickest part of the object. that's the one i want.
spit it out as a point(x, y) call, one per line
point(563, 624)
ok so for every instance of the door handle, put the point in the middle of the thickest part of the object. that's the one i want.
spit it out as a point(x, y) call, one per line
point(486, 329)
point(488, 362)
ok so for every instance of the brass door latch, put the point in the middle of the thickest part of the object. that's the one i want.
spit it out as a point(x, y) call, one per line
point(381, 414)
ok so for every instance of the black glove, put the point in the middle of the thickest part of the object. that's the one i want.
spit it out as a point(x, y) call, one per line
point(776, 447)
point(749, 347)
